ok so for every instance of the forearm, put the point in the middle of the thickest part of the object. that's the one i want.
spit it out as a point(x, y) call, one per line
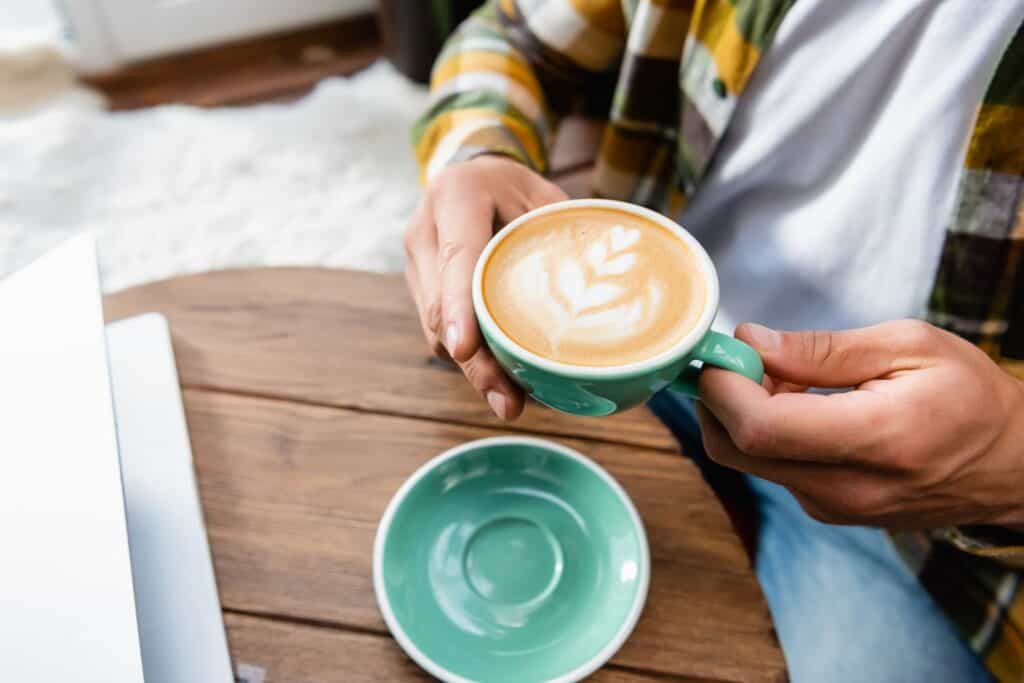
point(498, 88)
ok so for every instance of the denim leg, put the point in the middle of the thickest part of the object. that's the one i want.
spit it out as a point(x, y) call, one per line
point(845, 607)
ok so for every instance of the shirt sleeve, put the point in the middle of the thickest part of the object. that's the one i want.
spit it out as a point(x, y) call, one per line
point(508, 74)
point(995, 543)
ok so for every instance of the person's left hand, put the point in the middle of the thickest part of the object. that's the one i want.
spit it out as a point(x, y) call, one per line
point(931, 435)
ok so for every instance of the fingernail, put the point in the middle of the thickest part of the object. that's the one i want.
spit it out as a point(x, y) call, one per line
point(451, 337)
point(498, 403)
point(764, 338)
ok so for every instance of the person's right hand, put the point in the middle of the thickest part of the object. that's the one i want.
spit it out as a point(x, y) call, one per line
point(454, 221)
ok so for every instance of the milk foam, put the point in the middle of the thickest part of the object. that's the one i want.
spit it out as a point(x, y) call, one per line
point(594, 287)
point(583, 296)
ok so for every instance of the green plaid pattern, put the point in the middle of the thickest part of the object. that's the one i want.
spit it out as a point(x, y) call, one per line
point(979, 288)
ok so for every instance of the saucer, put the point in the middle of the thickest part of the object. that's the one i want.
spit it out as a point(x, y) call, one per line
point(510, 559)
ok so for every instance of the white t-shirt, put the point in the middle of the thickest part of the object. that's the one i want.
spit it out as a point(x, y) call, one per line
point(828, 201)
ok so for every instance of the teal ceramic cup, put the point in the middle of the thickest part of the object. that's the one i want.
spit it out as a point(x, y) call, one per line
point(510, 560)
point(589, 390)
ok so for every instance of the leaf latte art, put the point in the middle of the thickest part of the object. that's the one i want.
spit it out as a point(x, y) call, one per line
point(590, 293)
point(589, 286)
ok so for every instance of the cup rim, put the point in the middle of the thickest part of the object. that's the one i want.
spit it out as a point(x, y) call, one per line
point(588, 667)
point(656, 362)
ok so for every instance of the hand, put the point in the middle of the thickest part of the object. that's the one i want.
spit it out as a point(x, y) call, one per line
point(931, 435)
point(454, 221)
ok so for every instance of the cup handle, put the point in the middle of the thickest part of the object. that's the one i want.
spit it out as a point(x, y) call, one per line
point(724, 352)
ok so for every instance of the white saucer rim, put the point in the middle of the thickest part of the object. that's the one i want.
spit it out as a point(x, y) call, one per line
point(422, 659)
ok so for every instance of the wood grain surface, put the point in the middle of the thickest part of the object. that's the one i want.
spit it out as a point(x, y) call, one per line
point(290, 652)
point(293, 494)
point(310, 399)
point(346, 339)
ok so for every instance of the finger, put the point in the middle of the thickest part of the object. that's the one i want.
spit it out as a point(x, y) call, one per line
point(789, 473)
point(821, 512)
point(542, 192)
point(463, 230)
point(787, 388)
point(413, 285)
point(532, 191)
point(420, 257)
point(826, 358)
point(803, 426)
point(776, 386)
point(483, 372)
point(427, 290)
point(838, 495)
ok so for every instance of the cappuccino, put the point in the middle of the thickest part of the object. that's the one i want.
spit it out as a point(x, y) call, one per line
point(594, 286)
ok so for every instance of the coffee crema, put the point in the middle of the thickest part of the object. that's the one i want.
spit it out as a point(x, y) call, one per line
point(594, 287)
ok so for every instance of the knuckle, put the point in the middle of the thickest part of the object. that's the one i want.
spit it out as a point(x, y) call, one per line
point(820, 514)
point(432, 315)
point(712, 450)
point(889, 451)
point(546, 192)
point(754, 436)
point(445, 176)
point(439, 188)
point(834, 514)
point(455, 177)
point(900, 461)
point(858, 501)
point(450, 252)
point(409, 241)
point(885, 434)
point(432, 341)
point(413, 238)
point(914, 334)
point(816, 511)
point(745, 439)
point(437, 348)
point(480, 374)
point(471, 369)
point(819, 346)
point(861, 500)
point(845, 506)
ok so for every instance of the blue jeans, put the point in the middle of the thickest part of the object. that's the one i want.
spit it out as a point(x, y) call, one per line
point(845, 606)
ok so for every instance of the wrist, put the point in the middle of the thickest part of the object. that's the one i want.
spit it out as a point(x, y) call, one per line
point(499, 156)
point(1013, 520)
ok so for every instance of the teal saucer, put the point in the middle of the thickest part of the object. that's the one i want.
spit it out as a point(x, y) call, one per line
point(510, 559)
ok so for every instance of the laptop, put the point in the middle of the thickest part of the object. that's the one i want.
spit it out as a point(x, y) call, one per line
point(180, 625)
point(106, 573)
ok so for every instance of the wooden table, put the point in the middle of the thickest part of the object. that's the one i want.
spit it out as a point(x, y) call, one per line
point(310, 397)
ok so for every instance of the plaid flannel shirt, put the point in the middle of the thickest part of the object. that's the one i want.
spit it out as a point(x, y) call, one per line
point(668, 74)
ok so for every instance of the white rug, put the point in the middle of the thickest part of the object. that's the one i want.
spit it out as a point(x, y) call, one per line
point(328, 180)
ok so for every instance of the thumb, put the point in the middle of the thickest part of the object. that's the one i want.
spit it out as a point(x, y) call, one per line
point(827, 358)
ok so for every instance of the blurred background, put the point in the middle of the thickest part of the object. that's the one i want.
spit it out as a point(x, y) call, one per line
point(189, 135)
point(111, 33)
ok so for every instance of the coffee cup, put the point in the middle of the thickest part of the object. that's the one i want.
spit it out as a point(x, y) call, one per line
point(594, 305)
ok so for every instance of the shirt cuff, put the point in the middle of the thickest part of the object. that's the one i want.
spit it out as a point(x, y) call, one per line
point(444, 145)
point(997, 543)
